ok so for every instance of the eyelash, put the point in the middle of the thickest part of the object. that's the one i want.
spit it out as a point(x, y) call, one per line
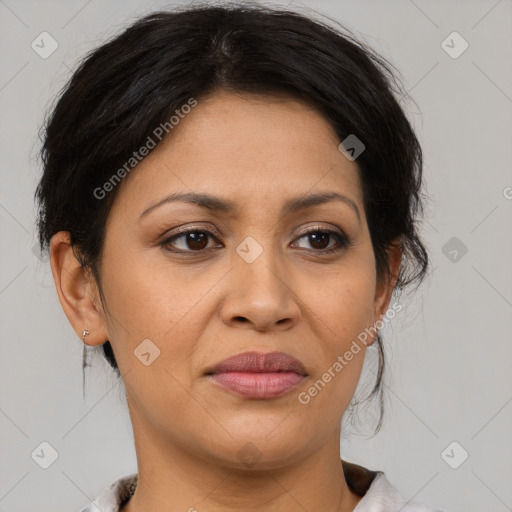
point(343, 241)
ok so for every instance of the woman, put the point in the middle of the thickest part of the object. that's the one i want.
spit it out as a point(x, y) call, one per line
point(229, 201)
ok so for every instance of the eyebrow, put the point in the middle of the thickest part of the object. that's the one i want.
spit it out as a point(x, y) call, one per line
point(217, 204)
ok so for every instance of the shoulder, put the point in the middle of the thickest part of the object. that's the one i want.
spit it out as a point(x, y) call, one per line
point(378, 494)
point(114, 495)
point(382, 496)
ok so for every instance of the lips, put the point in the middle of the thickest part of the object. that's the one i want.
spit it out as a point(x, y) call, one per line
point(254, 375)
point(256, 362)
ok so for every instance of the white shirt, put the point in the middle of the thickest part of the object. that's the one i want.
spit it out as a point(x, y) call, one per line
point(380, 496)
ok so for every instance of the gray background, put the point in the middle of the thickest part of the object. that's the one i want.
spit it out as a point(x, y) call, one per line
point(449, 351)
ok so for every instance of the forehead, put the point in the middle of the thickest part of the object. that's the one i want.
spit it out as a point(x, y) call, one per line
point(256, 150)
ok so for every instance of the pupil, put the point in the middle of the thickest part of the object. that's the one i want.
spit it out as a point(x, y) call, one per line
point(195, 238)
point(322, 237)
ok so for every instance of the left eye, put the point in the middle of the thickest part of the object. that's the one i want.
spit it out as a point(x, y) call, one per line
point(195, 240)
point(319, 237)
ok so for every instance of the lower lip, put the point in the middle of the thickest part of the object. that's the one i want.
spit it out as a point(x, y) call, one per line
point(258, 385)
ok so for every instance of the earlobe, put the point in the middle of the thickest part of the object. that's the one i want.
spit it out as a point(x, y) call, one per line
point(77, 290)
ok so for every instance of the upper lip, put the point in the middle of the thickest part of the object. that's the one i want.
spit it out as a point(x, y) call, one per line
point(258, 362)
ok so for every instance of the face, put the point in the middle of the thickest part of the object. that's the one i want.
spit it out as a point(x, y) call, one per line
point(189, 286)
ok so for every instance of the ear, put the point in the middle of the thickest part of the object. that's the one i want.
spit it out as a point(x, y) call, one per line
point(77, 291)
point(384, 288)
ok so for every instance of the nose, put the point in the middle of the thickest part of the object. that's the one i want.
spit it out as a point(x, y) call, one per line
point(260, 295)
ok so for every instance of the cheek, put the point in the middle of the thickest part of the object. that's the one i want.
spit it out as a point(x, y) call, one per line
point(342, 303)
point(342, 310)
point(151, 299)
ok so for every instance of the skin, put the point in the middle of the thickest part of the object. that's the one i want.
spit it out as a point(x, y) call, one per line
point(257, 151)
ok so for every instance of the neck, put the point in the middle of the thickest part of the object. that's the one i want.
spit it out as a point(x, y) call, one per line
point(171, 479)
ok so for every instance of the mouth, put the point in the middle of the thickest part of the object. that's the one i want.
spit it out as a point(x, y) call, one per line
point(258, 376)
